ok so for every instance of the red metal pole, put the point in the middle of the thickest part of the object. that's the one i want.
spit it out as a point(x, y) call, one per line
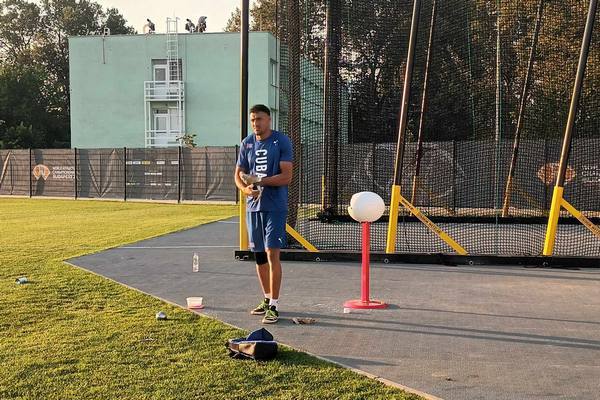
point(366, 244)
point(365, 302)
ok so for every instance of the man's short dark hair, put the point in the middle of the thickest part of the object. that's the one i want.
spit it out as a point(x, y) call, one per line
point(260, 108)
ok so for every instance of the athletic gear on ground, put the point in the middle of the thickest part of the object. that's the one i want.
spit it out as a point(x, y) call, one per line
point(259, 345)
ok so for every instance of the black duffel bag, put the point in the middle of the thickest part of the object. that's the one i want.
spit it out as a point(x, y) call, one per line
point(258, 345)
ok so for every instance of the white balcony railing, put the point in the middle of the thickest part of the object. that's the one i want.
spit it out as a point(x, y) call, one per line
point(164, 91)
point(162, 138)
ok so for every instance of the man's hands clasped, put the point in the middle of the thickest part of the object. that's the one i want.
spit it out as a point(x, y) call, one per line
point(251, 181)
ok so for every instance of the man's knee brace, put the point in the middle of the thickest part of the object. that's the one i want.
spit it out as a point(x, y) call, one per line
point(261, 257)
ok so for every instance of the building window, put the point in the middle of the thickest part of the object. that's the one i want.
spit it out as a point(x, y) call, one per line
point(274, 119)
point(161, 73)
point(167, 119)
point(273, 75)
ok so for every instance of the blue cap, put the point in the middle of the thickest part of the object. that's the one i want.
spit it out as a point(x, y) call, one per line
point(260, 334)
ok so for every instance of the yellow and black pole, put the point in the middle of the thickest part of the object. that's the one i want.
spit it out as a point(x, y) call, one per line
point(410, 61)
point(557, 197)
point(244, 110)
point(397, 198)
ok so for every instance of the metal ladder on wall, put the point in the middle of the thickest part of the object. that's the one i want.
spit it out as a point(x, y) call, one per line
point(173, 49)
point(174, 68)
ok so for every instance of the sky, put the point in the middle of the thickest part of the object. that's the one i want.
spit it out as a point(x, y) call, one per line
point(136, 12)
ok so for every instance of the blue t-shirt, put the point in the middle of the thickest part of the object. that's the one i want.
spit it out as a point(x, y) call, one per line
point(262, 158)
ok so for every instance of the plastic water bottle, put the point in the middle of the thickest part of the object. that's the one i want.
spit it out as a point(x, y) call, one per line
point(195, 263)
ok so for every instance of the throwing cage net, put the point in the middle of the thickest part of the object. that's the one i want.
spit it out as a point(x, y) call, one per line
point(486, 112)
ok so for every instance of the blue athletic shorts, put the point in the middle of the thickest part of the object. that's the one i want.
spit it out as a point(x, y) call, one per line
point(266, 230)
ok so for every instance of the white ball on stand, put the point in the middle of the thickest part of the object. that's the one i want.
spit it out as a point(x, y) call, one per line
point(366, 207)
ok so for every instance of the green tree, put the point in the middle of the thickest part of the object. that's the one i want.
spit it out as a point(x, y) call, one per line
point(20, 30)
point(21, 137)
point(114, 21)
point(34, 62)
point(262, 17)
point(462, 77)
point(234, 21)
point(263, 14)
point(23, 107)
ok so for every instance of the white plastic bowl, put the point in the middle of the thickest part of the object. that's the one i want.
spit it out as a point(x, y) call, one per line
point(194, 302)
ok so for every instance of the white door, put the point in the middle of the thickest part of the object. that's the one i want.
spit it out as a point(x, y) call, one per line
point(161, 130)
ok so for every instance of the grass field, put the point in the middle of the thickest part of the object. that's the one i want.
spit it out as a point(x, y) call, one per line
point(70, 334)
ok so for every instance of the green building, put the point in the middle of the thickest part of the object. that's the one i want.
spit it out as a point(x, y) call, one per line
point(147, 90)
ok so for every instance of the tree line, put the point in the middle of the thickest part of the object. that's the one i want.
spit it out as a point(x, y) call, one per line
point(34, 66)
point(471, 39)
point(462, 84)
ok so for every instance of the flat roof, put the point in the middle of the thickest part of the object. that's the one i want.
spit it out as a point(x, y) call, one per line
point(162, 34)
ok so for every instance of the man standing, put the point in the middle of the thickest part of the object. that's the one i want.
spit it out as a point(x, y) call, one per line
point(263, 173)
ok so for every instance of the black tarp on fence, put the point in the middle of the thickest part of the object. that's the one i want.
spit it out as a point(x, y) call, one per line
point(451, 177)
point(14, 172)
point(174, 174)
point(53, 172)
point(100, 173)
